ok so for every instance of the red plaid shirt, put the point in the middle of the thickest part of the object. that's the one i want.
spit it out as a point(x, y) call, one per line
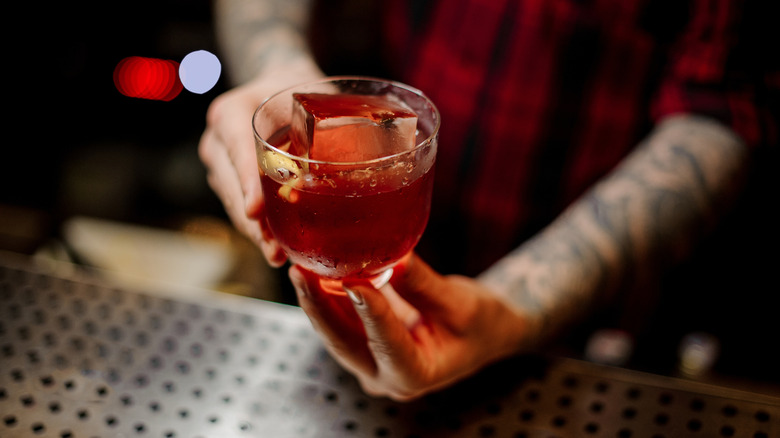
point(541, 98)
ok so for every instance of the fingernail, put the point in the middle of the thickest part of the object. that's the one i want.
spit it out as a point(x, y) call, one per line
point(355, 296)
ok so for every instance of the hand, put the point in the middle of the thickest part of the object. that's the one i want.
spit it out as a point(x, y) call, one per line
point(423, 332)
point(227, 149)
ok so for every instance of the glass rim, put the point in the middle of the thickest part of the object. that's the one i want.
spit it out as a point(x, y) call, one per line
point(409, 88)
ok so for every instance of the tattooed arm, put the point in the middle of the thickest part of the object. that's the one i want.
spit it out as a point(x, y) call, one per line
point(646, 214)
point(255, 35)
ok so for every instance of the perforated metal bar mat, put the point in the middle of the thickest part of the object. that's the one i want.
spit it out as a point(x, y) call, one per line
point(82, 359)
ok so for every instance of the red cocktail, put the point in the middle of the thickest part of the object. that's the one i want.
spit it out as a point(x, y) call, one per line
point(346, 167)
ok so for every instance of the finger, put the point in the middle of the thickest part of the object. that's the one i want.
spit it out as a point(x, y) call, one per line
point(232, 118)
point(392, 346)
point(423, 288)
point(271, 248)
point(273, 253)
point(244, 158)
point(223, 180)
point(409, 315)
point(335, 320)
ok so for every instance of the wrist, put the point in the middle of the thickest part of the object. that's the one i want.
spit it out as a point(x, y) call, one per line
point(290, 71)
point(524, 331)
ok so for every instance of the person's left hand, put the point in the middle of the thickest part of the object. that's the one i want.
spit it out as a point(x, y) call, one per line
point(423, 332)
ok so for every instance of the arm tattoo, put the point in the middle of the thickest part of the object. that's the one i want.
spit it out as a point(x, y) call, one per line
point(256, 33)
point(644, 215)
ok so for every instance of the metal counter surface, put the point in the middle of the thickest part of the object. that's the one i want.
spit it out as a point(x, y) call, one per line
point(83, 358)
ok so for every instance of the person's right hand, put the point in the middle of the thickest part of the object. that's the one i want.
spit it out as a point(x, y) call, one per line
point(227, 149)
point(421, 333)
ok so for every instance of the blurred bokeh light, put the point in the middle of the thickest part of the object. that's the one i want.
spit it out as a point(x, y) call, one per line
point(199, 71)
point(148, 78)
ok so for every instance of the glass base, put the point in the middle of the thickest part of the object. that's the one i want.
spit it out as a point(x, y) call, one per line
point(334, 285)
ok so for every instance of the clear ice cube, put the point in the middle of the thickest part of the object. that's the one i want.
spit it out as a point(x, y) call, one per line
point(349, 127)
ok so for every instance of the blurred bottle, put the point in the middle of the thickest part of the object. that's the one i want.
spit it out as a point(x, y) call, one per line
point(609, 347)
point(697, 354)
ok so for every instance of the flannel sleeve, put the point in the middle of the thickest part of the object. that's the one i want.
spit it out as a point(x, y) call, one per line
point(723, 66)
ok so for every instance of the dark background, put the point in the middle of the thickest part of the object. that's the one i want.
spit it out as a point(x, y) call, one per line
point(79, 146)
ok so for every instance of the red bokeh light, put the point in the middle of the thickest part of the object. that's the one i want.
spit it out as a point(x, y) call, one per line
point(148, 78)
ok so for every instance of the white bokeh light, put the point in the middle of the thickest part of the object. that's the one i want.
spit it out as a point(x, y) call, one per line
point(199, 71)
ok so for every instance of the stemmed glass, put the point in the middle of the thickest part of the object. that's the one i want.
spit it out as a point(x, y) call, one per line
point(346, 219)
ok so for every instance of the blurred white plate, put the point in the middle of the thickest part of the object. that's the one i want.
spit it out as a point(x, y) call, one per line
point(139, 255)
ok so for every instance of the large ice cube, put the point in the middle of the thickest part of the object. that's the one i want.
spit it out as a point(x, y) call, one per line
point(350, 127)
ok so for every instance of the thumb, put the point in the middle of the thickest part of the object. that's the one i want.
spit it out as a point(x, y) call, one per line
point(389, 340)
point(422, 287)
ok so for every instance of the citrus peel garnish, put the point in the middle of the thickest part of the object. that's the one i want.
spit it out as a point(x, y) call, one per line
point(286, 168)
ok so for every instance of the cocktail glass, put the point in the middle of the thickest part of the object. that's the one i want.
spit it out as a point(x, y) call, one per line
point(352, 219)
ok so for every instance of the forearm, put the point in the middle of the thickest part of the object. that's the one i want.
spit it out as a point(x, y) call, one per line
point(255, 35)
point(647, 213)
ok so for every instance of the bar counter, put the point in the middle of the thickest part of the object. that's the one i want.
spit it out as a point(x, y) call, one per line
point(83, 358)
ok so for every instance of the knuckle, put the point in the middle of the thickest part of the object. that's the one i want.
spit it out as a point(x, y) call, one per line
point(205, 150)
point(216, 109)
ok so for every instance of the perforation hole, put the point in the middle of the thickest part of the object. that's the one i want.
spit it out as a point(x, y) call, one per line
point(527, 415)
point(64, 322)
point(694, 425)
point(596, 407)
point(27, 400)
point(55, 407)
point(729, 411)
point(629, 413)
point(39, 317)
point(49, 339)
point(17, 375)
point(697, 405)
point(7, 350)
point(23, 333)
point(633, 393)
point(661, 419)
point(762, 416)
point(169, 387)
